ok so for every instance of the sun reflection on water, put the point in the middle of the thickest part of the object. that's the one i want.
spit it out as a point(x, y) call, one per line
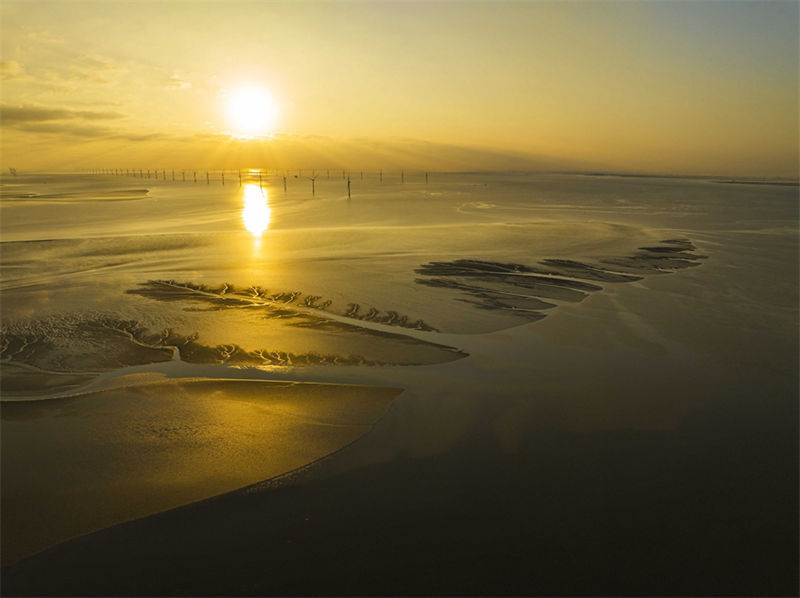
point(256, 212)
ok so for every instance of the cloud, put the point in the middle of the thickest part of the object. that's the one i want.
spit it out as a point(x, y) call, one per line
point(73, 123)
point(94, 69)
point(14, 115)
point(68, 128)
point(95, 141)
point(95, 63)
point(315, 151)
point(84, 130)
point(10, 69)
point(64, 121)
point(177, 82)
point(77, 73)
point(92, 115)
point(43, 37)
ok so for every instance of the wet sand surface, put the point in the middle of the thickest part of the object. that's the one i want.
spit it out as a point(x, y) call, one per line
point(599, 374)
point(105, 457)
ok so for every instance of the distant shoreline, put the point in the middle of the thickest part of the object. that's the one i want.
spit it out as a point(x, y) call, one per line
point(714, 178)
point(776, 181)
point(780, 183)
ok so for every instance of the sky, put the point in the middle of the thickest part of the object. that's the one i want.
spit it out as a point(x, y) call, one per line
point(658, 87)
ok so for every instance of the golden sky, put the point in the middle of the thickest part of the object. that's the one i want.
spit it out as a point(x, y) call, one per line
point(663, 87)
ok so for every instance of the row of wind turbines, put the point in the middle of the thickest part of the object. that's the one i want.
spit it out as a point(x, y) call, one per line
point(251, 175)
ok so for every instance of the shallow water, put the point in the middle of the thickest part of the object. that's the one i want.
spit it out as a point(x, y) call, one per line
point(502, 304)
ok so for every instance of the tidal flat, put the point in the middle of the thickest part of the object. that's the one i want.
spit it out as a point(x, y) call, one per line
point(482, 384)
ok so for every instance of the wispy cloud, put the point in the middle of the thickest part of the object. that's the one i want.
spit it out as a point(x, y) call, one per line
point(94, 69)
point(94, 63)
point(84, 130)
point(43, 37)
point(14, 115)
point(177, 82)
point(86, 124)
point(68, 128)
point(10, 69)
point(75, 74)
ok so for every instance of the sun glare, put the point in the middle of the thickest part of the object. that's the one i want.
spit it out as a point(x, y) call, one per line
point(251, 112)
point(256, 213)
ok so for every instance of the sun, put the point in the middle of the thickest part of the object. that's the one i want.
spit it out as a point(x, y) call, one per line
point(251, 112)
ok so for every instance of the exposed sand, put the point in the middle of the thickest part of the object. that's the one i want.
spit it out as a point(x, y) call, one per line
point(105, 457)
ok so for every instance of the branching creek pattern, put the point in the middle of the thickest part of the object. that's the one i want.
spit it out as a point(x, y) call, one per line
point(530, 290)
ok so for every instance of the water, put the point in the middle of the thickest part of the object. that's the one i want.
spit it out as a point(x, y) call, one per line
point(503, 305)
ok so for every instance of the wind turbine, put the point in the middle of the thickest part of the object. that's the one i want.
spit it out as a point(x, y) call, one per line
point(313, 180)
